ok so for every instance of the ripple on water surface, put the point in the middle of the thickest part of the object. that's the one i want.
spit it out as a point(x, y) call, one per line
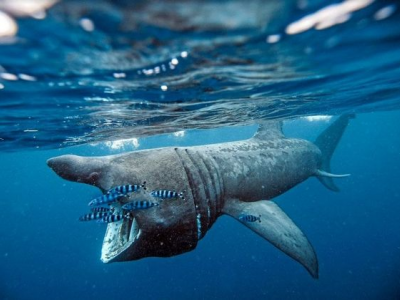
point(73, 72)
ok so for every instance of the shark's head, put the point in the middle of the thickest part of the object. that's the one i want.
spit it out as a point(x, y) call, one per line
point(164, 230)
point(78, 169)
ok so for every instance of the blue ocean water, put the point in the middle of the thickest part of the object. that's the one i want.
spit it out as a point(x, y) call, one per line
point(95, 84)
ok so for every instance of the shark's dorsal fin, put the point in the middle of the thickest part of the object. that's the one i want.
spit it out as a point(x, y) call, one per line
point(270, 222)
point(268, 130)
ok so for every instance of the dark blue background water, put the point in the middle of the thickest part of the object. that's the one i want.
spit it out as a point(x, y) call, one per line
point(230, 77)
point(46, 253)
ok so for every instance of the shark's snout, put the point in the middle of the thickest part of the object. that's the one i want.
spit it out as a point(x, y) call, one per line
point(57, 164)
point(51, 162)
point(64, 166)
point(76, 168)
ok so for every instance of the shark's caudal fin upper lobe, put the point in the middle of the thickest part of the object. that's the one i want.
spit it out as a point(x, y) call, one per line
point(327, 142)
point(276, 227)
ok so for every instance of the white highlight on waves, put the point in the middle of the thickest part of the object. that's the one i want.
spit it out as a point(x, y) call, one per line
point(121, 144)
point(27, 77)
point(328, 16)
point(180, 133)
point(273, 38)
point(385, 12)
point(33, 8)
point(8, 27)
point(8, 76)
point(325, 118)
point(86, 24)
point(119, 75)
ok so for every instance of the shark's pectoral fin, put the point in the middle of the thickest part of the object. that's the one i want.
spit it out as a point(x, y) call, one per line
point(277, 228)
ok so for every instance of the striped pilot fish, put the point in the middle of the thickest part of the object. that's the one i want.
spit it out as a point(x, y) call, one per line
point(105, 199)
point(165, 194)
point(139, 204)
point(127, 188)
point(111, 218)
point(101, 209)
point(93, 216)
point(249, 218)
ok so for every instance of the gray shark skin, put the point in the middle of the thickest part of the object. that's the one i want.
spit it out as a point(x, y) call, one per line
point(233, 178)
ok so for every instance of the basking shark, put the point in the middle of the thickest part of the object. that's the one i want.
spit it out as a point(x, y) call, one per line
point(235, 178)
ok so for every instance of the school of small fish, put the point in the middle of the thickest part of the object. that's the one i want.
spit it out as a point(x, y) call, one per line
point(120, 193)
point(125, 192)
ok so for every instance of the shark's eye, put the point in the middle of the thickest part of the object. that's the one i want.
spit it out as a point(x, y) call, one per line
point(93, 177)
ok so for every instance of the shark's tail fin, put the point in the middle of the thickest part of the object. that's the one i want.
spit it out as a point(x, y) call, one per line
point(327, 142)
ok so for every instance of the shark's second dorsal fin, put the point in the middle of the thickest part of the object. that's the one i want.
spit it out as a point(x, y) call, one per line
point(269, 221)
point(269, 130)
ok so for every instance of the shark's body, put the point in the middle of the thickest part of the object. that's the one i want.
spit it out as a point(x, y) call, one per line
point(237, 178)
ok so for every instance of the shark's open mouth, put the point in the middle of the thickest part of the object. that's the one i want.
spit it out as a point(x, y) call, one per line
point(119, 237)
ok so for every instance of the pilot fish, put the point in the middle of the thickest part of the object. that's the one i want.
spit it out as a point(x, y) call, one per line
point(105, 199)
point(139, 204)
point(249, 218)
point(93, 216)
point(127, 188)
point(101, 209)
point(114, 218)
point(165, 194)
